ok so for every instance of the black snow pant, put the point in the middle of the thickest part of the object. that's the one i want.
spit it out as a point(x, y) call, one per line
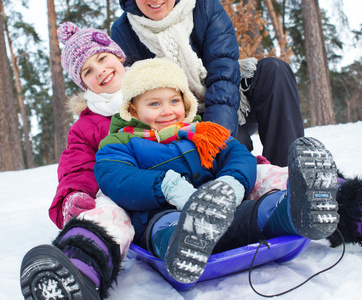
point(275, 111)
point(244, 229)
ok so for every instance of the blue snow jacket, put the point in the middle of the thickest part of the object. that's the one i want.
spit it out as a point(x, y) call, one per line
point(214, 41)
point(130, 170)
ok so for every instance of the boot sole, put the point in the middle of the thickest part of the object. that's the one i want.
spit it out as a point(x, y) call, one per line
point(203, 220)
point(313, 188)
point(47, 273)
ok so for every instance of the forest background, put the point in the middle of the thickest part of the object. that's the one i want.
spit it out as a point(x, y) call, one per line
point(34, 121)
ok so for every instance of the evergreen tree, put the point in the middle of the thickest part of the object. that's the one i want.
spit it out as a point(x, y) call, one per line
point(294, 25)
point(96, 13)
point(35, 73)
point(347, 92)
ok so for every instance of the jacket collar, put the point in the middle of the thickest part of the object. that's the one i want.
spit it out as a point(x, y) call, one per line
point(117, 123)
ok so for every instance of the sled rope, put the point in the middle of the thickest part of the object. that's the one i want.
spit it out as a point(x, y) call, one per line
point(263, 242)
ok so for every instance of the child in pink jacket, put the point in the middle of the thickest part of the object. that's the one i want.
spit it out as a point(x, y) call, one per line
point(86, 256)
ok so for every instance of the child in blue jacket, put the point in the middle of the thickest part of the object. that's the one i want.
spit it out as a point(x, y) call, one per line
point(199, 36)
point(183, 181)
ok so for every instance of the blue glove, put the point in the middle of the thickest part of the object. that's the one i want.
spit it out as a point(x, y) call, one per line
point(238, 188)
point(176, 189)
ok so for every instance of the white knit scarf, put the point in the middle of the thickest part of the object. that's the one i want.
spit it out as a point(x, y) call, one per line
point(169, 38)
point(104, 104)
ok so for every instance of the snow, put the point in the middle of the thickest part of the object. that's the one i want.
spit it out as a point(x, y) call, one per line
point(26, 196)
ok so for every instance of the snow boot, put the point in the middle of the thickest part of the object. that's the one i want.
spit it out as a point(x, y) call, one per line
point(349, 198)
point(308, 207)
point(163, 225)
point(83, 263)
point(204, 219)
point(312, 189)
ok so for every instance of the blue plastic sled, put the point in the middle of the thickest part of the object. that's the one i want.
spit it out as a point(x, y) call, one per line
point(282, 249)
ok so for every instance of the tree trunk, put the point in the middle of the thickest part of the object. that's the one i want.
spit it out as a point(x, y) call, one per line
point(13, 121)
point(254, 33)
point(277, 24)
point(61, 123)
point(6, 158)
point(319, 87)
point(349, 118)
point(108, 20)
point(356, 110)
point(45, 142)
point(20, 97)
point(319, 14)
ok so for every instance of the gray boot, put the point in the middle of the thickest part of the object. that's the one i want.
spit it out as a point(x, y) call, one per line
point(203, 221)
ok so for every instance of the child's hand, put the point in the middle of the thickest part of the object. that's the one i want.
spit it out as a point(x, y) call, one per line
point(75, 203)
point(238, 188)
point(176, 189)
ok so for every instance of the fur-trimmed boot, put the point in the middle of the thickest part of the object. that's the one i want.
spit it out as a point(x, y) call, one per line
point(349, 198)
point(83, 263)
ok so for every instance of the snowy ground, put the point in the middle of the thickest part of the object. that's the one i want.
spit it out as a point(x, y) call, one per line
point(26, 196)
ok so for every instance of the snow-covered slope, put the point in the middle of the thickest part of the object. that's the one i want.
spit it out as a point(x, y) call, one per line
point(26, 195)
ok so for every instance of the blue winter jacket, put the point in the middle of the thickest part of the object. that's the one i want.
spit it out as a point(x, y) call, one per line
point(214, 41)
point(130, 170)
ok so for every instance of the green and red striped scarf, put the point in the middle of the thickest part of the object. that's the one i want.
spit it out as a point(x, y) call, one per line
point(208, 137)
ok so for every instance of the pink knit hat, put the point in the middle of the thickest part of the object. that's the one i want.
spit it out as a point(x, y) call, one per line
point(81, 44)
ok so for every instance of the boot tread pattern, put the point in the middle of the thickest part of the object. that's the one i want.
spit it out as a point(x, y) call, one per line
point(46, 275)
point(205, 218)
point(313, 187)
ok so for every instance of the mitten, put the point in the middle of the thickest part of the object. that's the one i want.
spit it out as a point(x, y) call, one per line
point(238, 188)
point(261, 160)
point(75, 203)
point(176, 189)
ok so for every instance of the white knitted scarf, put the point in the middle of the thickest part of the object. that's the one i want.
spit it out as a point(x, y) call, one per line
point(104, 104)
point(169, 38)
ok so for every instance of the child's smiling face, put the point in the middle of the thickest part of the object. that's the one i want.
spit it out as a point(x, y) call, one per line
point(159, 108)
point(103, 73)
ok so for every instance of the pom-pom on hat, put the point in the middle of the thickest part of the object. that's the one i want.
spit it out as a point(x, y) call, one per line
point(81, 44)
point(149, 74)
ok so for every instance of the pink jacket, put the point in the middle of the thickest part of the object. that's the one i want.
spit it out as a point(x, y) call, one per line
point(76, 164)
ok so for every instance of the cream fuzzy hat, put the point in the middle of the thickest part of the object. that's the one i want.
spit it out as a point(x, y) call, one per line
point(149, 74)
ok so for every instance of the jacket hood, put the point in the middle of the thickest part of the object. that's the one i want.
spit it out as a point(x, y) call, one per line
point(76, 104)
point(130, 6)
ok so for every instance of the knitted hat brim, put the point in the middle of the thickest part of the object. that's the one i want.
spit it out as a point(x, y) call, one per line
point(150, 74)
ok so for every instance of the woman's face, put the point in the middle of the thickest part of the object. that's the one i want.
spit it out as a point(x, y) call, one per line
point(155, 9)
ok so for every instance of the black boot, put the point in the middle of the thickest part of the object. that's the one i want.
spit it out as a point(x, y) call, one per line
point(83, 263)
point(312, 189)
point(349, 198)
point(308, 207)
